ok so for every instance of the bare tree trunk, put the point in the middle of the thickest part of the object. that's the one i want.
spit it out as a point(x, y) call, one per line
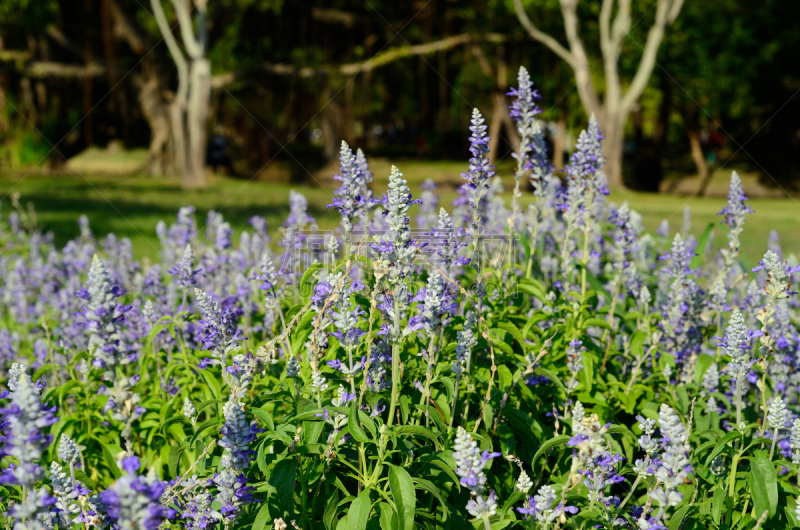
point(561, 138)
point(190, 109)
point(695, 146)
point(196, 121)
point(613, 112)
point(613, 129)
point(156, 111)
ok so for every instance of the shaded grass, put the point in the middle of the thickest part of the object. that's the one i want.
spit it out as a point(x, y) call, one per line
point(132, 206)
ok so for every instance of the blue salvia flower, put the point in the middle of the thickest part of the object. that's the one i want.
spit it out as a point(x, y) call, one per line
point(734, 213)
point(587, 159)
point(68, 451)
point(532, 153)
point(237, 435)
point(34, 512)
point(480, 171)
point(184, 272)
point(794, 441)
point(219, 333)
point(466, 341)
point(736, 343)
point(197, 511)
point(298, 217)
point(105, 318)
point(436, 304)
point(447, 241)
point(268, 277)
point(351, 200)
point(470, 462)
point(395, 248)
point(66, 492)
point(364, 191)
point(623, 251)
point(27, 438)
point(429, 204)
point(133, 501)
point(777, 287)
point(574, 363)
point(591, 457)
point(681, 309)
point(540, 508)
point(673, 464)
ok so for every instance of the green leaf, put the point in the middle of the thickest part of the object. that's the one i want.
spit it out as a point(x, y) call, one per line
point(265, 417)
point(677, 518)
point(717, 504)
point(637, 343)
point(175, 457)
point(549, 444)
point(514, 330)
point(355, 429)
point(404, 496)
point(262, 518)
point(596, 322)
point(358, 515)
point(701, 244)
point(329, 516)
point(428, 486)
point(721, 445)
point(763, 481)
point(282, 479)
point(416, 430)
point(588, 373)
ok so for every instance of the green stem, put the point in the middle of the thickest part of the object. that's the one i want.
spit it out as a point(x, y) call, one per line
point(395, 362)
point(455, 403)
point(585, 262)
point(774, 441)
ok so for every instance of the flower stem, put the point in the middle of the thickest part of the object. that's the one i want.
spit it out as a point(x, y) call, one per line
point(395, 361)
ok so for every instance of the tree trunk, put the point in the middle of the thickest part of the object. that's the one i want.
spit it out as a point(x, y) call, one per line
point(613, 143)
point(496, 123)
point(692, 122)
point(196, 121)
point(561, 138)
point(157, 113)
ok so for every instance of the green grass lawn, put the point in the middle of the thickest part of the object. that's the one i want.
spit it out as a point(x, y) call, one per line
point(130, 206)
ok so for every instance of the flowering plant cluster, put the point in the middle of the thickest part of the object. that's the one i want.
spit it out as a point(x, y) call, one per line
point(597, 376)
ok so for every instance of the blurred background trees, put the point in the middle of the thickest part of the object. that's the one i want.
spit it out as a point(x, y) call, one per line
point(265, 81)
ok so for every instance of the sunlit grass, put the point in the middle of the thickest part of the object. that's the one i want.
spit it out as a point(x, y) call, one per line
point(131, 206)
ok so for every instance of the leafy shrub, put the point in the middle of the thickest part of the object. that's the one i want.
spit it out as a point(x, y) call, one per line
point(552, 367)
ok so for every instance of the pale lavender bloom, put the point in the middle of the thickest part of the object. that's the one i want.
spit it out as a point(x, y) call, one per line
point(351, 200)
point(219, 332)
point(429, 203)
point(134, 501)
point(105, 318)
point(395, 248)
point(27, 438)
point(532, 153)
point(470, 462)
point(298, 212)
point(480, 171)
point(673, 464)
point(734, 213)
point(237, 435)
point(184, 272)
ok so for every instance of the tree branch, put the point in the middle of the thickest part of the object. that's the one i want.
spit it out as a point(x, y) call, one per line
point(666, 12)
point(580, 65)
point(41, 69)
point(540, 36)
point(351, 69)
point(174, 50)
point(193, 48)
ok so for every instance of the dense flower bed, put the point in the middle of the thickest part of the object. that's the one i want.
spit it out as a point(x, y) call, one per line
point(554, 366)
